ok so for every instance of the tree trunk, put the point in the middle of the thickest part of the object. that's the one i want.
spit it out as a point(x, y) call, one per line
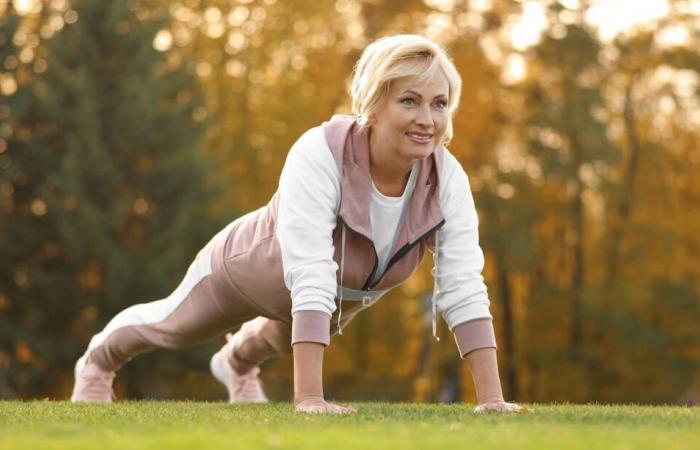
point(625, 205)
point(577, 275)
point(508, 344)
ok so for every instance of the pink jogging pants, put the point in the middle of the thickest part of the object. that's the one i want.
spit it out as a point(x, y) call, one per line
point(200, 309)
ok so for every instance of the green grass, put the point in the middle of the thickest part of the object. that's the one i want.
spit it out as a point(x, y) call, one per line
point(194, 425)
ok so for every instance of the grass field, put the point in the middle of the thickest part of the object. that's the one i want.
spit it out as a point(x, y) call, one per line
point(194, 425)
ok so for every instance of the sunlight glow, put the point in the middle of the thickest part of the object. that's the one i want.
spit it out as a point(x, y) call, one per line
point(515, 69)
point(163, 41)
point(614, 17)
point(526, 31)
point(610, 17)
point(24, 7)
point(673, 35)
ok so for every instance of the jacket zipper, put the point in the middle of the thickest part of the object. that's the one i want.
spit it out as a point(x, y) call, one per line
point(405, 249)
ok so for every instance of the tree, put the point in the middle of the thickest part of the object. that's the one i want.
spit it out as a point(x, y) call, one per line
point(108, 197)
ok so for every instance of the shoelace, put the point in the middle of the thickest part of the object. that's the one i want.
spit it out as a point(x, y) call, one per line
point(96, 384)
point(249, 385)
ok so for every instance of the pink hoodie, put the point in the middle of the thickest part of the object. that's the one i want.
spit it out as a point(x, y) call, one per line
point(254, 264)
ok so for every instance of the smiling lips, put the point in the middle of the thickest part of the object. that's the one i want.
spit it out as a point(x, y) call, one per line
point(419, 138)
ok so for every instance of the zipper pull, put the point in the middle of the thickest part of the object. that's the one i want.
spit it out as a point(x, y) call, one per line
point(366, 301)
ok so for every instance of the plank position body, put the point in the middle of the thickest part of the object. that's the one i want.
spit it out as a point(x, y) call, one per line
point(360, 200)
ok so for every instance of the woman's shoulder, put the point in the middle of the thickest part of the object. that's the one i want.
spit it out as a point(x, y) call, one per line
point(451, 166)
point(453, 177)
point(310, 153)
point(448, 158)
point(310, 140)
point(327, 135)
point(311, 146)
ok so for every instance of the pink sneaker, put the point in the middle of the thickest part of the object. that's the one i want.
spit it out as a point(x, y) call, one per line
point(92, 384)
point(246, 388)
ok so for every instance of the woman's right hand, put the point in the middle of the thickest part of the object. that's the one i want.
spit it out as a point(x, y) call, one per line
point(308, 385)
point(320, 406)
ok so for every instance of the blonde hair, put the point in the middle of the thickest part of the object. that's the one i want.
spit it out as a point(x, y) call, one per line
point(399, 56)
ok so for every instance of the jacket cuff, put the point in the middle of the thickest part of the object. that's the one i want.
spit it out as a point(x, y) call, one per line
point(474, 334)
point(311, 326)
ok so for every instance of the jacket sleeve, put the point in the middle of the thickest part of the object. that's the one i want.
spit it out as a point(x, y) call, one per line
point(462, 295)
point(309, 195)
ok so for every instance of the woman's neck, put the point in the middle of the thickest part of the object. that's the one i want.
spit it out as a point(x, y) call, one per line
point(388, 174)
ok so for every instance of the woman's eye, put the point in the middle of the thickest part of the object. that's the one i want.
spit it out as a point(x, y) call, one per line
point(442, 104)
point(408, 101)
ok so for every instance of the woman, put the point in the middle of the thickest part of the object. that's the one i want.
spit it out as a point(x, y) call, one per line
point(360, 199)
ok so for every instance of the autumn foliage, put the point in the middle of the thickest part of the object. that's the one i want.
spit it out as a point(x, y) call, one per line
point(130, 132)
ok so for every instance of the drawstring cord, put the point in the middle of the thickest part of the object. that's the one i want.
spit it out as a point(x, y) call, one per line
point(342, 267)
point(436, 290)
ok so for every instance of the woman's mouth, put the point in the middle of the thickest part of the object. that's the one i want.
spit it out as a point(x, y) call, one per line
point(419, 138)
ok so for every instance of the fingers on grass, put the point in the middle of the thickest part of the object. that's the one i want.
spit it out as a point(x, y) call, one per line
point(500, 407)
point(328, 408)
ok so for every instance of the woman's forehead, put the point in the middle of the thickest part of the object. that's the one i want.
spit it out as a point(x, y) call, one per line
point(435, 85)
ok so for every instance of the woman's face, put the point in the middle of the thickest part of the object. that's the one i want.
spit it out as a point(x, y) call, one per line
point(411, 120)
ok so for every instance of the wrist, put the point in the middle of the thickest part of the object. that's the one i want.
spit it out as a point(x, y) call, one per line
point(490, 393)
point(484, 368)
point(308, 371)
point(490, 399)
point(301, 398)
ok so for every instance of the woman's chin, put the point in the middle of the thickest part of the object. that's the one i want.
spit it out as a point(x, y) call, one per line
point(422, 151)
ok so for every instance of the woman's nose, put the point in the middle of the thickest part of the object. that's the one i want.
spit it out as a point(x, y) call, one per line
point(424, 116)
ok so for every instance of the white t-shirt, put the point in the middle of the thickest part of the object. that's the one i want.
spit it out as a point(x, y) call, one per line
point(386, 216)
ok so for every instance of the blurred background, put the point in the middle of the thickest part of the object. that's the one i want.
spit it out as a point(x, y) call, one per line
point(130, 132)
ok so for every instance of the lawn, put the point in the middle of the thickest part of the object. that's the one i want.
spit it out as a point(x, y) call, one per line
point(193, 425)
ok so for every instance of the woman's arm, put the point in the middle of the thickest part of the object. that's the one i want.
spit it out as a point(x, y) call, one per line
point(308, 371)
point(463, 297)
point(484, 367)
point(309, 196)
point(308, 380)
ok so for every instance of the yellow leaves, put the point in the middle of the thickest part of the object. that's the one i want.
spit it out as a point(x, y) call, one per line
point(81, 321)
point(422, 388)
point(38, 207)
point(21, 278)
point(70, 203)
point(199, 114)
point(8, 84)
point(413, 286)
point(91, 276)
point(141, 206)
point(144, 163)
point(23, 353)
point(89, 313)
point(4, 360)
point(4, 302)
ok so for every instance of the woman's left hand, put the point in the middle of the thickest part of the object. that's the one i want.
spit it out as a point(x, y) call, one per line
point(501, 406)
